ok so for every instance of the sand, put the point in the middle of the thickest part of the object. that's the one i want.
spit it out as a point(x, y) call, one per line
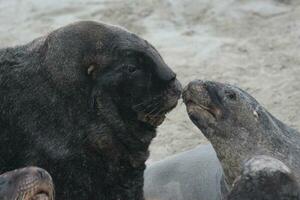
point(253, 44)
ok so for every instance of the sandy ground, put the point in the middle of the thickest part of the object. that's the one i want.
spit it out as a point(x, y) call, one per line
point(254, 44)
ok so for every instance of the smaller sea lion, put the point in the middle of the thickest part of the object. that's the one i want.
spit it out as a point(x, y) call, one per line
point(30, 183)
point(239, 127)
point(192, 175)
point(265, 178)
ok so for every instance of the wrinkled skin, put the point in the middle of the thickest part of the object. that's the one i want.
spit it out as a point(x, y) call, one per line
point(265, 178)
point(30, 183)
point(83, 103)
point(239, 127)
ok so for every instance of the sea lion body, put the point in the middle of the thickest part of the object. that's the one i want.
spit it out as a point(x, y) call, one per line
point(192, 175)
point(239, 127)
point(83, 103)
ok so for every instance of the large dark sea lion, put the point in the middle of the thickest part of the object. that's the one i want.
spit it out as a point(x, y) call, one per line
point(30, 183)
point(265, 178)
point(83, 103)
point(239, 127)
point(192, 175)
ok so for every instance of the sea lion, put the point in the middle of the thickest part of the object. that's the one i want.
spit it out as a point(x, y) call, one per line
point(192, 175)
point(239, 127)
point(30, 183)
point(265, 178)
point(83, 102)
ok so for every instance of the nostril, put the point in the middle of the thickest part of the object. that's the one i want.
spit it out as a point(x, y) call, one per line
point(175, 87)
point(42, 174)
point(196, 86)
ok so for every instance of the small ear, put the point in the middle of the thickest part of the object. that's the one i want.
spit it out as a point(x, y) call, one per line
point(90, 69)
point(256, 116)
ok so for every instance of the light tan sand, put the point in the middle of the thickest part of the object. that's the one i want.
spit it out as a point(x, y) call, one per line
point(253, 44)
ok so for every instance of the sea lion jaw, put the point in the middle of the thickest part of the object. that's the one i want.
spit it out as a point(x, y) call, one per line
point(30, 183)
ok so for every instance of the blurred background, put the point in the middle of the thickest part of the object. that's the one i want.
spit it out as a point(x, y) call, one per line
point(254, 44)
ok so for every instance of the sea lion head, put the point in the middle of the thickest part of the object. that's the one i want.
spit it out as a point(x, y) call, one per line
point(114, 65)
point(232, 120)
point(30, 183)
point(264, 177)
point(215, 107)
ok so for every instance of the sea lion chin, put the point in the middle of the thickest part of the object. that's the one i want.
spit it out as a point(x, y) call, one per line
point(153, 120)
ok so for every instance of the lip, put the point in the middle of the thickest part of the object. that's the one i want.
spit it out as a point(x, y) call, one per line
point(190, 103)
point(158, 119)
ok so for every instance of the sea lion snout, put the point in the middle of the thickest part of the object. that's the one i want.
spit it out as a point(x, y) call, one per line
point(174, 88)
point(27, 184)
point(196, 92)
point(199, 98)
point(172, 94)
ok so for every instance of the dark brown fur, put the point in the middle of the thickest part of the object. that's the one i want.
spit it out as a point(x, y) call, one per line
point(83, 103)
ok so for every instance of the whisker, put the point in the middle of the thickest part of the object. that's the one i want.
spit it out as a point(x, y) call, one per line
point(154, 110)
point(158, 113)
point(146, 105)
point(144, 108)
point(139, 104)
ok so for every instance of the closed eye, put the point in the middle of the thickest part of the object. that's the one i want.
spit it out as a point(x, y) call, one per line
point(231, 95)
point(129, 68)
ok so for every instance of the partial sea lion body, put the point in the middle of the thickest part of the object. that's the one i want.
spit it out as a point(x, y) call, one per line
point(239, 127)
point(192, 175)
point(180, 177)
point(83, 102)
point(265, 178)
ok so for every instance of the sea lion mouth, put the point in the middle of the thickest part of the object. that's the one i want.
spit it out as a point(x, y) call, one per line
point(155, 119)
point(154, 112)
point(199, 108)
point(41, 195)
point(202, 108)
point(40, 189)
point(201, 115)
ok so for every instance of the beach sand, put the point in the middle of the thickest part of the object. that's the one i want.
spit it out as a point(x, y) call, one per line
point(253, 44)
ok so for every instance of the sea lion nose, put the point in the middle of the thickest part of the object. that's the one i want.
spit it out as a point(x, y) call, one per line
point(174, 87)
point(196, 91)
point(43, 174)
point(196, 86)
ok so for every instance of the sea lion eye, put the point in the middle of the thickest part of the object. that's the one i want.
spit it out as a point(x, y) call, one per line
point(231, 95)
point(130, 68)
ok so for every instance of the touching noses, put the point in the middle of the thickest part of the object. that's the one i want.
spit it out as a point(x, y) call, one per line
point(174, 87)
